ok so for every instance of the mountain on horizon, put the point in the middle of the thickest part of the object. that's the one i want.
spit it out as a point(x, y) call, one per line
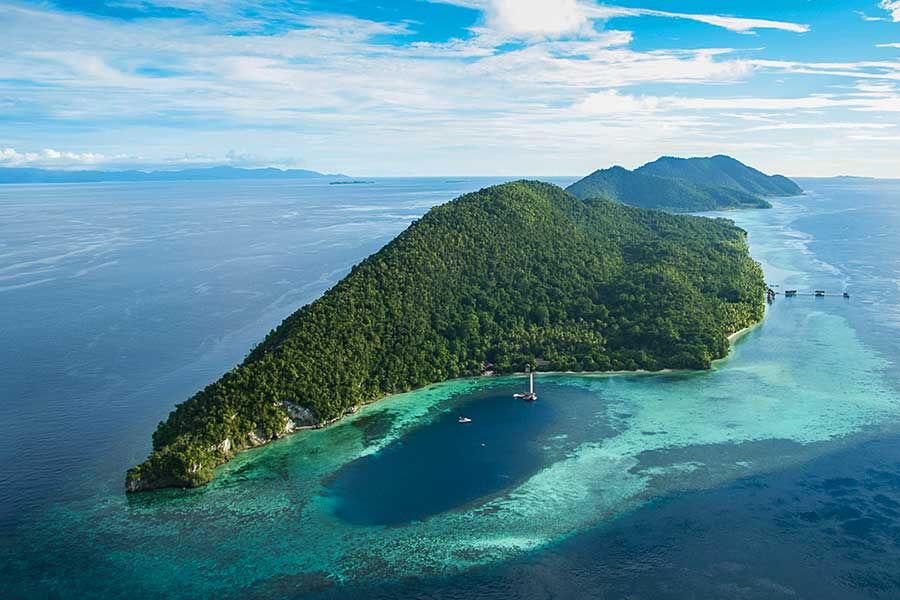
point(686, 185)
point(34, 175)
point(722, 171)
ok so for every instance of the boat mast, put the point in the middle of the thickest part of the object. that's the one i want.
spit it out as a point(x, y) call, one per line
point(530, 395)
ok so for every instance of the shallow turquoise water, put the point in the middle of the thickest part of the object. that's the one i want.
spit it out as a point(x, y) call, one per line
point(402, 490)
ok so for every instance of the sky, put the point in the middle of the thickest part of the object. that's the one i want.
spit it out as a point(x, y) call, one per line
point(450, 87)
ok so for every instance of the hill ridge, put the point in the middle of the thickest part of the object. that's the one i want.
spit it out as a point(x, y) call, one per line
point(687, 184)
point(505, 275)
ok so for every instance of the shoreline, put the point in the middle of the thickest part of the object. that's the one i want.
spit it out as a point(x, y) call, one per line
point(742, 332)
point(290, 431)
point(610, 373)
point(734, 337)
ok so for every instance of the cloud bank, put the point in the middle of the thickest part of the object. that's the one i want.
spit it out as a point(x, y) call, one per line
point(523, 89)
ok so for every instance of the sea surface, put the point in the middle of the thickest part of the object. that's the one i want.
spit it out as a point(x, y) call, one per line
point(774, 475)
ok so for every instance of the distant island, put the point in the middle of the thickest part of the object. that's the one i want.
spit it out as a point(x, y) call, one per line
point(686, 185)
point(28, 175)
point(353, 182)
point(515, 274)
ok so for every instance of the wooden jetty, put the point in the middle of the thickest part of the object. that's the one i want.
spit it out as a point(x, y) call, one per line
point(771, 293)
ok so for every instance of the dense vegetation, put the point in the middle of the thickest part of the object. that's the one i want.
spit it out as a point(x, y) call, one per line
point(506, 275)
point(649, 191)
point(686, 185)
point(724, 172)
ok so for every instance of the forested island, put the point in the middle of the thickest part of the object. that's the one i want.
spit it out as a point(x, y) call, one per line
point(507, 275)
point(686, 185)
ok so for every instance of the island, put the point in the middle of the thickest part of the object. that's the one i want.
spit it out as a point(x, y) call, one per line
point(32, 175)
point(687, 185)
point(507, 275)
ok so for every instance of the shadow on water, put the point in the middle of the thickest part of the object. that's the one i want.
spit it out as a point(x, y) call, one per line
point(829, 529)
point(445, 464)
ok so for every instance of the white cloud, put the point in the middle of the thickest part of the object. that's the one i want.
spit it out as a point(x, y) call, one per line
point(350, 29)
point(824, 126)
point(538, 17)
point(892, 45)
point(566, 17)
point(330, 89)
point(565, 69)
point(867, 17)
point(614, 102)
point(47, 157)
point(66, 160)
point(737, 24)
point(879, 89)
point(893, 7)
point(875, 138)
point(783, 113)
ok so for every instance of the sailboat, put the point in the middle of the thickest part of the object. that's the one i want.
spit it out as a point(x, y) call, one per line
point(530, 396)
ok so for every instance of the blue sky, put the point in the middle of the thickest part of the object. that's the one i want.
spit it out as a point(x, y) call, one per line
point(450, 87)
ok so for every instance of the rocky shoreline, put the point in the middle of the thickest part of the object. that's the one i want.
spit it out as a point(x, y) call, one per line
point(302, 419)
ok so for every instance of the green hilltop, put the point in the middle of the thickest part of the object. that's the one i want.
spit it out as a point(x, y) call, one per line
point(686, 185)
point(649, 191)
point(505, 275)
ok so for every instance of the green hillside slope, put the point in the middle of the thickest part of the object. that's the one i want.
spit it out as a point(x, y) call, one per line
point(722, 171)
point(507, 275)
point(648, 191)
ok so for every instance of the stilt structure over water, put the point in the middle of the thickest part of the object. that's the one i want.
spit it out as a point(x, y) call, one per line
point(771, 293)
point(530, 396)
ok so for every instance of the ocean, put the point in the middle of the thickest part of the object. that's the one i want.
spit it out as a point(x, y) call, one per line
point(774, 475)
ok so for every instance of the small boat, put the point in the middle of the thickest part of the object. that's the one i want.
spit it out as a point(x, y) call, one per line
point(790, 293)
point(820, 293)
point(465, 420)
point(530, 396)
point(846, 294)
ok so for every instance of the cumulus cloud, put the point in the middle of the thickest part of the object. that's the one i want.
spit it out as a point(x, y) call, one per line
point(539, 17)
point(10, 157)
point(893, 7)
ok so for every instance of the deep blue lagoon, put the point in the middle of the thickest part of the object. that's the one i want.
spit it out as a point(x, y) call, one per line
point(775, 475)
